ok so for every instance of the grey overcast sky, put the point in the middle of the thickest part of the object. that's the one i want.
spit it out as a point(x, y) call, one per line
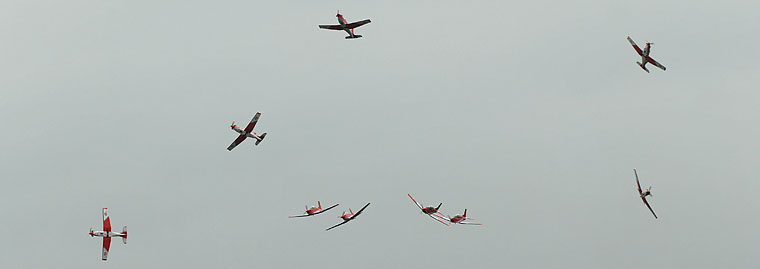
point(531, 114)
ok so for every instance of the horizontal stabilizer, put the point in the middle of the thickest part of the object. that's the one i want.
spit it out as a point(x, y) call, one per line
point(261, 138)
point(124, 232)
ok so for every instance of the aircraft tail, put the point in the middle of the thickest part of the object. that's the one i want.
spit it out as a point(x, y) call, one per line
point(465, 213)
point(124, 231)
point(439, 206)
point(642, 66)
point(319, 205)
point(261, 138)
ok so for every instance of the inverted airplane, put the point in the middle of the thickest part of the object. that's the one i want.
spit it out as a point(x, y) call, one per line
point(247, 132)
point(645, 193)
point(430, 211)
point(645, 56)
point(314, 210)
point(345, 26)
point(106, 233)
point(462, 219)
point(348, 216)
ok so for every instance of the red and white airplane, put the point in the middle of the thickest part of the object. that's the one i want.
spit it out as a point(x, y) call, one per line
point(314, 210)
point(431, 211)
point(644, 194)
point(345, 26)
point(645, 56)
point(247, 132)
point(106, 233)
point(348, 216)
point(460, 219)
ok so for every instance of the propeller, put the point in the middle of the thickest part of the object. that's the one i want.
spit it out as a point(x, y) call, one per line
point(650, 191)
point(91, 235)
point(233, 124)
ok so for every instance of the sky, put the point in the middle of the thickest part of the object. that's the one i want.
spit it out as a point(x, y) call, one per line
point(530, 114)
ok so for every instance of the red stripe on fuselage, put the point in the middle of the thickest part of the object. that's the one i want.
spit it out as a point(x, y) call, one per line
point(341, 19)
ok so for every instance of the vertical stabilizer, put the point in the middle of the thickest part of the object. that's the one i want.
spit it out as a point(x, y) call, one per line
point(124, 232)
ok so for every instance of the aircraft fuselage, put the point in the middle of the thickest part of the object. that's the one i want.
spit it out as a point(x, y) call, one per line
point(242, 132)
point(106, 234)
point(343, 23)
point(429, 210)
point(645, 194)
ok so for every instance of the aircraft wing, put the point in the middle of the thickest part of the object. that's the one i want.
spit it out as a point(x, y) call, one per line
point(236, 142)
point(323, 210)
point(637, 180)
point(415, 201)
point(650, 208)
point(106, 221)
point(360, 211)
point(638, 50)
point(336, 225)
point(655, 63)
point(255, 119)
point(357, 24)
point(444, 223)
point(106, 247)
point(331, 27)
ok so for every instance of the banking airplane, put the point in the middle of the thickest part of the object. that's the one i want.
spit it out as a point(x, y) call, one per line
point(247, 132)
point(345, 26)
point(645, 56)
point(348, 216)
point(314, 210)
point(106, 233)
point(430, 211)
point(644, 194)
point(460, 219)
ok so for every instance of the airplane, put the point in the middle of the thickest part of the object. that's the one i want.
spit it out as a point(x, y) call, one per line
point(645, 56)
point(348, 216)
point(644, 194)
point(460, 219)
point(247, 132)
point(345, 26)
point(106, 233)
point(431, 211)
point(314, 210)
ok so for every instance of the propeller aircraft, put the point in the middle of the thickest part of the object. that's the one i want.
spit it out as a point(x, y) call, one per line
point(247, 132)
point(645, 193)
point(345, 26)
point(645, 56)
point(461, 219)
point(106, 233)
point(430, 211)
point(314, 210)
point(348, 216)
